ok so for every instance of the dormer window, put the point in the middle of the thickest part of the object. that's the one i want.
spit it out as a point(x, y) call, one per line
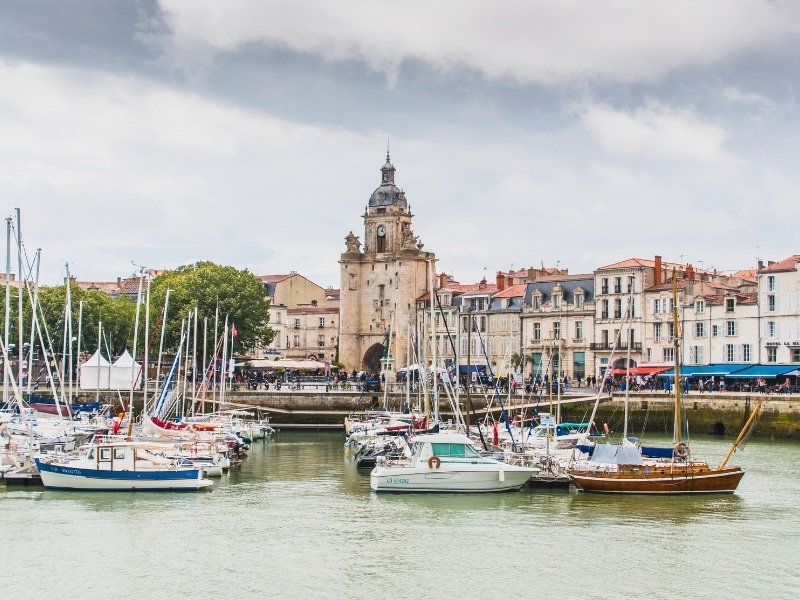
point(557, 301)
point(579, 300)
point(537, 302)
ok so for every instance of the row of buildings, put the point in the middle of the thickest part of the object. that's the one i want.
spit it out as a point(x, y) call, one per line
point(394, 309)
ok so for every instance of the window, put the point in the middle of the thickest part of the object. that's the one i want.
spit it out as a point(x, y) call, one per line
point(747, 355)
point(729, 353)
point(656, 306)
point(464, 324)
point(730, 304)
point(578, 330)
point(732, 328)
point(297, 341)
point(536, 359)
point(321, 341)
point(537, 302)
point(772, 283)
point(771, 329)
point(618, 308)
point(537, 331)
point(381, 288)
point(772, 354)
point(657, 332)
point(669, 354)
point(353, 281)
point(795, 355)
point(481, 304)
point(631, 281)
point(700, 330)
point(671, 331)
point(604, 287)
point(557, 301)
point(579, 364)
point(649, 354)
point(715, 331)
point(483, 324)
point(617, 285)
point(772, 303)
point(696, 355)
point(105, 454)
point(322, 321)
point(287, 342)
point(556, 330)
point(579, 300)
point(700, 306)
point(604, 313)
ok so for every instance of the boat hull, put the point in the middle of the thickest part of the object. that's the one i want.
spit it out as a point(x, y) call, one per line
point(75, 478)
point(666, 480)
point(457, 479)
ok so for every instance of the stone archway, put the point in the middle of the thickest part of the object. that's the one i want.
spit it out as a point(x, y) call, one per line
point(620, 364)
point(372, 359)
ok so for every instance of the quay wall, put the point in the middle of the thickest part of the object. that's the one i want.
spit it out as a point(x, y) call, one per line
point(712, 414)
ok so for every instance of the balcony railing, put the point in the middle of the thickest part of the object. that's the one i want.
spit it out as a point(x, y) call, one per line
point(604, 314)
point(617, 289)
point(635, 347)
point(604, 289)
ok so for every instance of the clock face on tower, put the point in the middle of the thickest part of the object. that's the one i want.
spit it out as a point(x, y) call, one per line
point(381, 230)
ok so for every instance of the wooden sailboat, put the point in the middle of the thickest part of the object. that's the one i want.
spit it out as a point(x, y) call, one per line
point(621, 470)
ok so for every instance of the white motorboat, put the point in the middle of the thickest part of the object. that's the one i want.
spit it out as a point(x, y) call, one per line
point(118, 465)
point(448, 462)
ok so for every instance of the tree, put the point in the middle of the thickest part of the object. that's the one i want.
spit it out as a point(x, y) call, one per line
point(214, 290)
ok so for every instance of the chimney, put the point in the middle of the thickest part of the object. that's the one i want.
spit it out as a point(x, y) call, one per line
point(689, 272)
point(119, 280)
point(482, 284)
point(657, 274)
point(442, 280)
point(531, 274)
point(501, 281)
point(770, 263)
point(760, 265)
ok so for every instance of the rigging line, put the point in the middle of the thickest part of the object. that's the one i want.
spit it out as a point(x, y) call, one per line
point(503, 412)
point(470, 408)
point(541, 389)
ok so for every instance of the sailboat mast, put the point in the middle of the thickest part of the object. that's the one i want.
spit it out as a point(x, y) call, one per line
point(7, 310)
point(676, 341)
point(134, 365)
point(33, 320)
point(20, 280)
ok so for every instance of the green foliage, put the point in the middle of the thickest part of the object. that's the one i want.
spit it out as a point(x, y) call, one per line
point(516, 361)
point(239, 294)
point(216, 291)
point(88, 309)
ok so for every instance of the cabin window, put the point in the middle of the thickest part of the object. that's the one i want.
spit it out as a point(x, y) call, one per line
point(119, 453)
point(105, 454)
point(454, 450)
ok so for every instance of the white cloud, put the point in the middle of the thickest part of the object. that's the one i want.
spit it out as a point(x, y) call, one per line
point(656, 131)
point(548, 42)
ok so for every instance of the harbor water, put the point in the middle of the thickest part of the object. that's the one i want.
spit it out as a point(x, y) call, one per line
point(298, 521)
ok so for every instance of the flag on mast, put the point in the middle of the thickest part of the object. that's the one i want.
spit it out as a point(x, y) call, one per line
point(234, 333)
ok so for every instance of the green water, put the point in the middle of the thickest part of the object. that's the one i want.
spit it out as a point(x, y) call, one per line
point(298, 521)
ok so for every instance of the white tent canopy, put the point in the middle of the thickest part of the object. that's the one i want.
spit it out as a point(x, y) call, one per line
point(95, 373)
point(123, 372)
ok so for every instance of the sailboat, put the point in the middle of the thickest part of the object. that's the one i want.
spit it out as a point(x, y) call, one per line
point(621, 470)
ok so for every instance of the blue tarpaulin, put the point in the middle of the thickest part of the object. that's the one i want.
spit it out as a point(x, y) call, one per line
point(719, 370)
point(764, 371)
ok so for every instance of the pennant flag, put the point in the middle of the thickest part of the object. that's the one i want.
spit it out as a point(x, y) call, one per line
point(234, 333)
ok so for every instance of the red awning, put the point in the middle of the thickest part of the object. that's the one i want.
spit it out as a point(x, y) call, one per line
point(640, 370)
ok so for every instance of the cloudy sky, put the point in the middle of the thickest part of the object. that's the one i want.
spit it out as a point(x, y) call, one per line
point(570, 133)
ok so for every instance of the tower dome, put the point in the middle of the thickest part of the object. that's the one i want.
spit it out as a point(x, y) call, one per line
point(388, 194)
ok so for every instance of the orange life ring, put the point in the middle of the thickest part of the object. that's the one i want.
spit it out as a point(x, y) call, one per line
point(434, 460)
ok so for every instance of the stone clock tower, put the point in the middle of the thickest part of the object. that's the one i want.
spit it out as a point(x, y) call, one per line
point(381, 282)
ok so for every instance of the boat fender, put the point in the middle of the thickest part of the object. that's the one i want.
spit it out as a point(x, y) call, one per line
point(434, 460)
point(502, 475)
point(681, 450)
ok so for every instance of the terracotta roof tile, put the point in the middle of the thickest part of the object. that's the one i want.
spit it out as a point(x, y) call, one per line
point(787, 264)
